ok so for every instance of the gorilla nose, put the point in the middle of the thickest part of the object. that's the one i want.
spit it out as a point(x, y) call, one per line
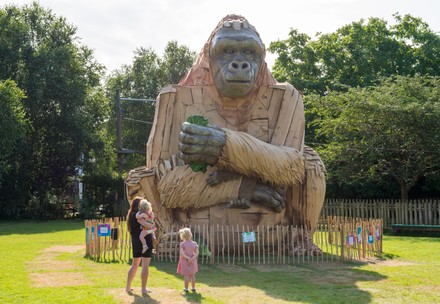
point(239, 66)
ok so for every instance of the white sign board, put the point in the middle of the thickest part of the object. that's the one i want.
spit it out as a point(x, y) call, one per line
point(248, 237)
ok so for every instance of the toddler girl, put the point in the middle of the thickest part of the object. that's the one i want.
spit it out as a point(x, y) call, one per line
point(145, 212)
point(189, 250)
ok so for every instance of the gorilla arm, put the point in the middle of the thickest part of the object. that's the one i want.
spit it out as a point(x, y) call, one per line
point(239, 152)
point(267, 170)
point(276, 165)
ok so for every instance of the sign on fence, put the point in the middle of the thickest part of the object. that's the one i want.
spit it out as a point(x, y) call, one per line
point(248, 237)
point(370, 238)
point(350, 240)
point(103, 229)
point(359, 235)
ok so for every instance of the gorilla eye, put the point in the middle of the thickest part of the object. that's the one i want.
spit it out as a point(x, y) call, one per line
point(229, 51)
point(248, 52)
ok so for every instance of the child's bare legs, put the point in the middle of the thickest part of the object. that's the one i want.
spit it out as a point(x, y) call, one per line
point(192, 278)
point(186, 282)
point(142, 236)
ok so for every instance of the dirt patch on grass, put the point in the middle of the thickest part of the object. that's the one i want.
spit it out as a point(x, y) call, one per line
point(392, 263)
point(40, 265)
point(62, 249)
point(57, 279)
point(46, 271)
point(339, 277)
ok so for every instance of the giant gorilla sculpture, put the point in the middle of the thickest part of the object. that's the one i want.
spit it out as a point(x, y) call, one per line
point(260, 171)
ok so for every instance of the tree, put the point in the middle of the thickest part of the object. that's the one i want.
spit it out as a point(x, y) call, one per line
point(357, 54)
point(64, 105)
point(390, 129)
point(13, 124)
point(144, 78)
point(176, 61)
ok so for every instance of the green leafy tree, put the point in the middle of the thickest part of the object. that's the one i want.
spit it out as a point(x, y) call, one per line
point(13, 125)
point(143, 79)
point(387, 130)
point(65, 106)
point(176, 61)
point(358, 54)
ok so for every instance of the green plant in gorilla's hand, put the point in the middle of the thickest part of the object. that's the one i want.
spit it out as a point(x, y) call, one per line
point(198, 120)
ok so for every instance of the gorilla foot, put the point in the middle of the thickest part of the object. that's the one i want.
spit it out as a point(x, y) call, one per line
point(306, 247)
point(307, 250)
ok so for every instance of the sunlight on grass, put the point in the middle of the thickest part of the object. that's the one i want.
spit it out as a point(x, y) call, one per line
point(43, 262)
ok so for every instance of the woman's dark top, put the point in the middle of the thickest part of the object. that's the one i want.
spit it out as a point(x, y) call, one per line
point(136, 242)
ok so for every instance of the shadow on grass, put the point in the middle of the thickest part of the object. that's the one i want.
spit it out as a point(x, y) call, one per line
point(107, 260)
point(193, 297)
point(326, 282)
point(389, 256)
point(144, 299)
point(37, 227)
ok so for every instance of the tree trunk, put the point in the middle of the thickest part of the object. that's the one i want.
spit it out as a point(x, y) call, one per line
point(404, 190)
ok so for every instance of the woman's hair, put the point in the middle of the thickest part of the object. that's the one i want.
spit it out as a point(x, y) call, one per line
point(145, 206)
point(185, 234)
point(134, 207)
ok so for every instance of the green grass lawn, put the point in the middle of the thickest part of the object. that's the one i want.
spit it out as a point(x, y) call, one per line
point(43, 262)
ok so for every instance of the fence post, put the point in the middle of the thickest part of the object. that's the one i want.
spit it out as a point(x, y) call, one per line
point(342, 239)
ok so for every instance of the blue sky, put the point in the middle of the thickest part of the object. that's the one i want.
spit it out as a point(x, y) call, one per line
point(115, 28)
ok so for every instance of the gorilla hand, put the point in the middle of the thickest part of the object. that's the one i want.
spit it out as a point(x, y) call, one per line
point(220, 176)
point(271, 197)
point(200, 143)
point(259, 193)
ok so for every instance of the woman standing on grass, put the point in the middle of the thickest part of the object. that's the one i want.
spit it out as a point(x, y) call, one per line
point(134, 229)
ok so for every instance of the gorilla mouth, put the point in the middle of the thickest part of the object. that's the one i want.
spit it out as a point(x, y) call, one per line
point(239, 81)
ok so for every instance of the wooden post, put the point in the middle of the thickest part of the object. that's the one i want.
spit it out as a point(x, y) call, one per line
point(238, 243)
point(212, 243)
point(342, 238)
point(244, 249)
point(258, 243)
point(223, 244)
point(292, 242)
point(87, 227)
point(263, 234)
point(233, 242)
point(229, 246)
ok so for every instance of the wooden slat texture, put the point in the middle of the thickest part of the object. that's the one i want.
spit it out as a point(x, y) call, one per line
point(285, 118)
point(413, 212)
point(341, 237)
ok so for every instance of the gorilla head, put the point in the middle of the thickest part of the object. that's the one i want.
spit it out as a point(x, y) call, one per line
point(236, 53)
point(232, 60)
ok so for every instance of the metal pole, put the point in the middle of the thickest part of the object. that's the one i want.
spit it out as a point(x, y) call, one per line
point(119, 132)
point(119, 149)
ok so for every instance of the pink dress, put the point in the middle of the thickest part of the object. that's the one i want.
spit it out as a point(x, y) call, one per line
point(185, 268)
